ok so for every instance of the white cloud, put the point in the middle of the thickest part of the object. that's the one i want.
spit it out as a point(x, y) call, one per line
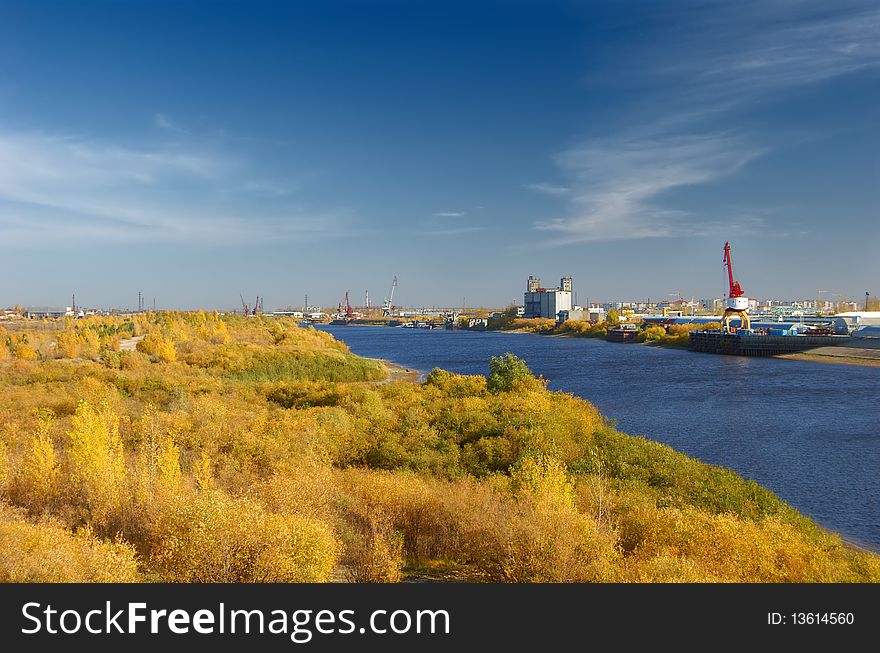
point(454, 232)
point(617, 185)
point(66, 187)
point(780, 54)
point(450, 214)
point(162, 121)
point(549, 189)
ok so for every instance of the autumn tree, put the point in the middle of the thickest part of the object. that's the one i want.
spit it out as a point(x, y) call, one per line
point(96, 462)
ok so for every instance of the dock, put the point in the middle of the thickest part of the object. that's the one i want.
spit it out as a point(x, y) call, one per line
point(715, 342)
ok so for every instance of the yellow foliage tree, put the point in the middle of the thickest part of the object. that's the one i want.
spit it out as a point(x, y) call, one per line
point(159, 474)
point(91, 343)
point(39, 476)
point(4, 468)
point(159, 346)
point(24, 351)
point(96, 462)
point(66, 344)
point(204, 473)
point(543, 478)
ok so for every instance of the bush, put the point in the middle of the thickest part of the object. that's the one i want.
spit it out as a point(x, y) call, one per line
point(509, 372)
point(48, 553)
point(306, 395)
point(159, 347)
point(213, 538)
point(497, 536)
point(651, 334)
point(456, 385)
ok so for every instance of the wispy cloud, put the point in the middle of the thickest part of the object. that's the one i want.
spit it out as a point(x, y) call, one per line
point(618, 186)
point(449, 214)
point(68, 187)
point(163, 121)
point(454, 231)
point(549, 189)
point(792, 50)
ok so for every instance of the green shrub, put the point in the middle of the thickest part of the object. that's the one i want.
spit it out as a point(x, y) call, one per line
point(509, 372)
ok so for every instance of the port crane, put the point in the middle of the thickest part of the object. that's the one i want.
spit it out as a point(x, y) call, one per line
point(386, 305)
point(737, 302)
point(346, 309)
point(258, 306)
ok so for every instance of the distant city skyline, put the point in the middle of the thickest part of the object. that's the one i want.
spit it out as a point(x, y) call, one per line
point(194, 152)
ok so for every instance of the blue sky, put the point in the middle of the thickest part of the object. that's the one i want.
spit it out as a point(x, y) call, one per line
point(198, 150)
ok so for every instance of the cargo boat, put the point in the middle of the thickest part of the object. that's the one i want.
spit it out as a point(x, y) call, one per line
point(622, 333)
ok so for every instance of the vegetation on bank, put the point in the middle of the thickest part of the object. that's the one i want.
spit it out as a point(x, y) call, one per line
point(249, 450)
point(676, 335)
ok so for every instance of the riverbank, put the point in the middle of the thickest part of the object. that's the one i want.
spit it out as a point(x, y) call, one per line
point(834, 359)
point(399, 373)
point(844, 355)
point(715, 408)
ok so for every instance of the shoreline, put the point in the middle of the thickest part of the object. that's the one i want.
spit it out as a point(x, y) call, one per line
point(802, 356)
point(827, 358)
point(398, 372)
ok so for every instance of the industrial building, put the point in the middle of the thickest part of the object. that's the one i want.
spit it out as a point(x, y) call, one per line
point(546, 302)
point(577, 313)
point(48, 311)
point(850, 321)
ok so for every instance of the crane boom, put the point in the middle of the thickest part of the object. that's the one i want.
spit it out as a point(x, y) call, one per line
point(387, 304)
point(735, 289)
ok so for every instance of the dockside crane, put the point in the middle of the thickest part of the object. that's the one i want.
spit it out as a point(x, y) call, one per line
point(244, 306)
point(345, 312)
point(387, 304)
point(737, 302)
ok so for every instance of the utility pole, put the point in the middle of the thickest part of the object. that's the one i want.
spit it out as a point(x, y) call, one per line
point(867, 294)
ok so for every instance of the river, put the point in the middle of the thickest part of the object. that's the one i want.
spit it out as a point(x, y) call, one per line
point(806, 430)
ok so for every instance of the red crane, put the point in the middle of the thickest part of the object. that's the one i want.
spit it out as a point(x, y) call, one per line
point(737, 303)
point(349, 313)
point(735, 289)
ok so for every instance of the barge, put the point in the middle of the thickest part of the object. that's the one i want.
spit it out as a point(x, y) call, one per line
point(622, 333)
point(749, 344)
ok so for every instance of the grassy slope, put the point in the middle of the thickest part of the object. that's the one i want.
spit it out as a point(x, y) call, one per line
point(280, 436)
